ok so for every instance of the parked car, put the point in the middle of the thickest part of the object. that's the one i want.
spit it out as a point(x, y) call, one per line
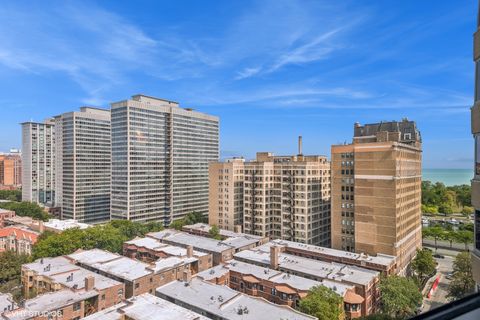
point(438, 256)
point(449, 276)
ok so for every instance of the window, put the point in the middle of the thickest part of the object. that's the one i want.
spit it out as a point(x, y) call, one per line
point(103, 296)
point(77, 306)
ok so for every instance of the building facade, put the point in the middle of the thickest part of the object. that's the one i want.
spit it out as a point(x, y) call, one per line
point(83, 165)
point(160, 157)
point(475, 116)
point(225, 181)
point(10, 171)
point(284, 197)
point(38, 162)
point(17, 240)
point(376, 191)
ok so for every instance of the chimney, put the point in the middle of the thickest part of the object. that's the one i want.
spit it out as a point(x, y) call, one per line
point(299, 145)
point(237, 228)
point(189, 251)
point(186, 276)
point(274, 256)
point(41, 227)
point(89, 283)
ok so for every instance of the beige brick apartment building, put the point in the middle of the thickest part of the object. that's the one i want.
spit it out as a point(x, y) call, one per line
point(284, 197)
point(376, 191)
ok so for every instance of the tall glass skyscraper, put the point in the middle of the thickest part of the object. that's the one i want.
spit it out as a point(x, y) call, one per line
point(83, 164)
point(160, 157)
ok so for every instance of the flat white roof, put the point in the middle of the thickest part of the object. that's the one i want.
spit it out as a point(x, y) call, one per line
point(226, 233)
point(186, 239)
point(278, 277)
point(316, 269)
point(146, 307)
point(62, 270)
point(380, 259)
point(156, 245)
point(6, 302)
point(120, 266)
point(48, 302)
point(65, 224)
point(227, 303)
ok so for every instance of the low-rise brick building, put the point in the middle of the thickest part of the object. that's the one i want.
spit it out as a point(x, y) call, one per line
point(18, 240)
point(138, 277)
point(59, 273)
point(365, 280)
point(150, 250)
point(5, 214)
point(276, 286)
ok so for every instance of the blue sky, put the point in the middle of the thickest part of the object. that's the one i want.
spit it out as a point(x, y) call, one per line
point(272, 70)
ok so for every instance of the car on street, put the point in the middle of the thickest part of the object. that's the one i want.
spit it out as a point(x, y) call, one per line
point(438, 256)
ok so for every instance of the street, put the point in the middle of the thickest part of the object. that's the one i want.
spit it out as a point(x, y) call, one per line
point(438, 297)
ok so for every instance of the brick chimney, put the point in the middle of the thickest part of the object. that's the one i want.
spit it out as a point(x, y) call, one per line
point(274, 256)
point(189, 251)
point(237, 228)
point(187, 275)
point(89, 283)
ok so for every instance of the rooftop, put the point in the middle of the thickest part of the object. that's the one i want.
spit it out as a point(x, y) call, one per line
point(5, 210)
point(265, 273)
point(146, 307)
point(156, 245)
point(65, 224)
point(380, 259)
point(6, 302)
point(186, 239)
point(170, 262)
point(225, 233)
point(227, 303)
point(337, 272)
point(120, 266)
point(61, 270)
point(19, 233)
point(48, 302)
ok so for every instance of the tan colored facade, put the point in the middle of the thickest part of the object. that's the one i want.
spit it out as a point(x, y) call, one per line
point(226, 193)
point(10, 171)
point(475, 124)
point(284, 197)
point(376, 192)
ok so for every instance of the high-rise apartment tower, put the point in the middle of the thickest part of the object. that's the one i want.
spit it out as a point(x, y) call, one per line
point(160, 157)
point(284, 197)
point(83, 164)
point(38, 162)
point(376, 191)
point(475, 114)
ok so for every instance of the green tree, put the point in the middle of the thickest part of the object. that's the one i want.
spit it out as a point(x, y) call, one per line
point(467, 211)
point(424, 265)
point(465, 237)
point(27, 209)
point(110, 237)
point(462, 283)
point(450, 236)
point(177, 224)
point(214, 232)
point(11, 195)
point(399, 296)
point(10, 273)
point(435, 232)
point(323, 303)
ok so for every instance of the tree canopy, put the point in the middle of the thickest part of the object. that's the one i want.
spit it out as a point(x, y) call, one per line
point(424, 265)
point(462, 283)
point(11, 195)
point(10, 273)
point(26, 209)
point(399, 296)
point(110, 237)
point(437, 198)
point(191, 218)
point(214, 232)
point(323, 303)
